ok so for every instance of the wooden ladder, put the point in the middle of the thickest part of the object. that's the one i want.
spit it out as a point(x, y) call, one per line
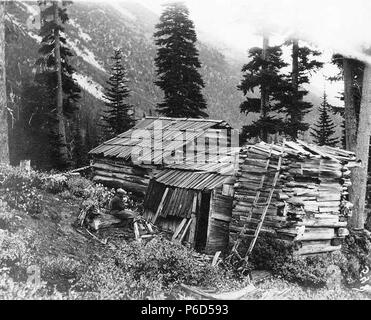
point(257, 204)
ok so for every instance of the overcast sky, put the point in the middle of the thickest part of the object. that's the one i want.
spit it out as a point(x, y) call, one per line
point(341, 25)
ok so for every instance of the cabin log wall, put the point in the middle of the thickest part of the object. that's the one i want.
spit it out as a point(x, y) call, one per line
point(127, 176)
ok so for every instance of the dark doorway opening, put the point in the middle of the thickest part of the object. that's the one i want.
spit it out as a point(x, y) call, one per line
point(202, 222)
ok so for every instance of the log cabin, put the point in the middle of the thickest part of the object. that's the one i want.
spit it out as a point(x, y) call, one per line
point(205, 196)
point(133, 157)
point(184, 167)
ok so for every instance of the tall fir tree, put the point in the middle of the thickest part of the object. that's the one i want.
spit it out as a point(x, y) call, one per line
point(262, 73)
point(55, 77)
point(118, 116)
point(291, 99)
point(35, 126)
point(4, 146)
point(177, 63)
point(79, 149)
point(351, 72)
point(356, 95)
point(325, 127)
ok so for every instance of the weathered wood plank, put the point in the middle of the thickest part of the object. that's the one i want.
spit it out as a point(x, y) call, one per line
point(178, 229)
point(316, 249)
point(160, 206)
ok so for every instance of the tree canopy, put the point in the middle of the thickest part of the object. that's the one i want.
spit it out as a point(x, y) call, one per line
point(178, 65)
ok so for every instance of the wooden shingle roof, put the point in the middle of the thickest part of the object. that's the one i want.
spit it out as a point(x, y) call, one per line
point(190, 179)
point(162, 133)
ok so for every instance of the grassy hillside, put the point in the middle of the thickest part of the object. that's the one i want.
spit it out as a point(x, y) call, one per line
point(45, 254)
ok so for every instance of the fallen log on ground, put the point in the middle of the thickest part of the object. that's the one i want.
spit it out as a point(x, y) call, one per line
point(102, 221)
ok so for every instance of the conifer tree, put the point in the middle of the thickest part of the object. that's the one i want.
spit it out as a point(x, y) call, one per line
point(4, 147)
point(351, 72)
point(262, 73)
point(118, 116)
point(325, 127)
point(79, 148)
point(36, 125)
point(177, 65)
point(291, 98)
point(55, 76)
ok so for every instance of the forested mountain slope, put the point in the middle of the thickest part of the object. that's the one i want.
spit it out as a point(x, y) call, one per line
point(94, 30)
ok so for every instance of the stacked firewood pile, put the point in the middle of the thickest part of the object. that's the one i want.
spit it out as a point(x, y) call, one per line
point(309, 204)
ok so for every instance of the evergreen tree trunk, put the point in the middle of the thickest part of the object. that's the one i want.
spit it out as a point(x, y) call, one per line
point(359, 176)
point(295, 80)
point(350, 111)
point(263, 92)
point(4, 144)
point(61, 130)
point(351, 124)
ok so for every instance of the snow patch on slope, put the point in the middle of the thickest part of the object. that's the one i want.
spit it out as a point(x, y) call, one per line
point(31, 8)
point(34, 36)
point(11, 18)
point(123, 11)
point(85, 54)
point(82, 34)
point(89, 85)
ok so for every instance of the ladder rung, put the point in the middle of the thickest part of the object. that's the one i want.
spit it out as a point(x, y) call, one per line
point(248, 235)
point(260, 189)
point(257, 221)
point(245, 236)
point(261, 204)
point(247, 230)
point(237, 254)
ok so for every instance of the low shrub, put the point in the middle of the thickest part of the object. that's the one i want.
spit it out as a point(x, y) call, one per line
point(16, 290)
point(139, 271)
point(6, 216)
point(20, 189)
point(66, 195)
point(173, 262)
point(27, 199)
point(79, 186)
point(14, 178)
point(61, 271)
point(16, 252)
point(357, 250)
point(54, 183)
point(270, 252)
point(277, 256)
point(97, 200)
point(310, 271)
point(105, 280)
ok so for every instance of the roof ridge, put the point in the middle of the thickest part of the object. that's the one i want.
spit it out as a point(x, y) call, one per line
point(184, 119)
